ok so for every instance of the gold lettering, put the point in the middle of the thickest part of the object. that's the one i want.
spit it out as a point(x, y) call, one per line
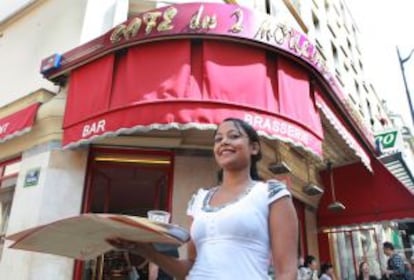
point(150, 21)
point(132, 29)
point(238, 26)
point(195, 22)
point(265, 30)
point(304, 49)
point(293, 40)
point(280, 34)
point(209, 22)
point(199, 22)
point(116, 34)
point(168, 16)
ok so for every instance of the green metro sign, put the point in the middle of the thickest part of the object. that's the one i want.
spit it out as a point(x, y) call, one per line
point(387, 139)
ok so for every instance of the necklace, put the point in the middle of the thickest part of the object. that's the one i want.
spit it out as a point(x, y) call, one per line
point(206, 202)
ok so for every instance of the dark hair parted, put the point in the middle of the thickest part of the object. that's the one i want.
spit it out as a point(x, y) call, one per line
point(360, 272)
point(388, 245)
point(325, 267)
point(308, 260)
point(253, 138)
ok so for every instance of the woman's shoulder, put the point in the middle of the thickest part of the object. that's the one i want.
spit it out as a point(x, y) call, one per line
point(197, 198)
point(273, 189)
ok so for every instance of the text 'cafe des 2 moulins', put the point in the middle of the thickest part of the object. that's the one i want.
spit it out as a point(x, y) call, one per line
point(144, 99)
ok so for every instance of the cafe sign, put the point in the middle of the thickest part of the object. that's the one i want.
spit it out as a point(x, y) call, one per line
point(193, 20)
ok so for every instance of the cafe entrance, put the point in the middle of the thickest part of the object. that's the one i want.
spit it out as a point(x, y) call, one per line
point(352, 246)
point(130, 182)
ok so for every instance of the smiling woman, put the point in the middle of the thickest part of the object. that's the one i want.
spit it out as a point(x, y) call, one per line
point(242, 216)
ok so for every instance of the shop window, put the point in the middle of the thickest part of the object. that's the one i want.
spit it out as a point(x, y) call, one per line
point(8, 177)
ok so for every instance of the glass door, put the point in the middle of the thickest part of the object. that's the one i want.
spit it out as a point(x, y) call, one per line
point(351, 247)
point(129, 182)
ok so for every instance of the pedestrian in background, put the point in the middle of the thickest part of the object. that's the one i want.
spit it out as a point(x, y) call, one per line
point(396, 269)
point(309, 270)
point(363, 273)
point(327, 272)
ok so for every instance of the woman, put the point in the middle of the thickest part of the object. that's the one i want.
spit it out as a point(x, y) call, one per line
point(309, 269)
point(236, 223)
point(364, 272)
point(327, 272)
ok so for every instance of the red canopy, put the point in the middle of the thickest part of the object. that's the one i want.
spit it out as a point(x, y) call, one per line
point(184, 84)
point(368, 197)
point(18, 123)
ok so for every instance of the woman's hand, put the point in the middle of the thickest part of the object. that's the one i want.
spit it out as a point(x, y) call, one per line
point(145, 250)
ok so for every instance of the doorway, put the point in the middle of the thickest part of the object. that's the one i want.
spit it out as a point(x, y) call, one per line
point(130, 182)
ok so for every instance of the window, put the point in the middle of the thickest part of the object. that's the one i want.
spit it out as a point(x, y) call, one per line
point(335, 54)
point(315, 22)
point(331, 30)
point(8, 177)
point(348, 42)
point(357, 88)
point(327, 7)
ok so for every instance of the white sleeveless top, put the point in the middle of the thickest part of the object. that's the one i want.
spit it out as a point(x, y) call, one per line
point(232, 241)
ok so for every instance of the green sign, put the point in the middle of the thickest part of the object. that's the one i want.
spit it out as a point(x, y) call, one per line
point(388, 139)
point(32, 177)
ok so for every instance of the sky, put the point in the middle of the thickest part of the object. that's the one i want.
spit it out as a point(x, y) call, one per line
point(383, 26)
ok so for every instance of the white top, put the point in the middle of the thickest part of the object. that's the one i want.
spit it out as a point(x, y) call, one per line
point(305, 273)
point(325, 277)
point(232, 241)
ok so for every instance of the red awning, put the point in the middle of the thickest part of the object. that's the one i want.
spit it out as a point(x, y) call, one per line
point(342, 130)
point(146, 87)
point(18, 123)
point(368, 197)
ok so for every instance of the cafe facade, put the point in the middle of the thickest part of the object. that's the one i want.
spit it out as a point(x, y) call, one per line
point(131, 130)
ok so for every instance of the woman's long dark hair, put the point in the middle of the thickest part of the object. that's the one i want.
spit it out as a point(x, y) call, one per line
point(360, 274)
point(324, 268)
point(253, 138)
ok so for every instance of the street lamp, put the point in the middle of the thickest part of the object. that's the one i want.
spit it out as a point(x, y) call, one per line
point(407, 91)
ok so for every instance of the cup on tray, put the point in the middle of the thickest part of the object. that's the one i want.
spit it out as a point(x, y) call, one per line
point(159, 216)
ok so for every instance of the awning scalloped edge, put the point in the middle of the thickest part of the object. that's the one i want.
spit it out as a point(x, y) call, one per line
point(179, 126)
point(349, 140)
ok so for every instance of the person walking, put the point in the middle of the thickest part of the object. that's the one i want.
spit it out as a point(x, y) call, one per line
point(396, 269)
point(238, 222)
point(309, 269)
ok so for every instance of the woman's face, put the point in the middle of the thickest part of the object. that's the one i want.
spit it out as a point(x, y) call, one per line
point(313, 265)
point(364, 267)
point(330, 271)
point(232, 147)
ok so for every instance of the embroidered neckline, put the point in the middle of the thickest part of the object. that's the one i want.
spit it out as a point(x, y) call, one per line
point(206, 202)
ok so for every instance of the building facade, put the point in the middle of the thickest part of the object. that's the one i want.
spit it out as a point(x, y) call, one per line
point(116, 103)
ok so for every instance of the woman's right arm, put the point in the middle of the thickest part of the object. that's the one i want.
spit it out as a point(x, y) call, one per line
point(179, 268)
point(171, 265)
